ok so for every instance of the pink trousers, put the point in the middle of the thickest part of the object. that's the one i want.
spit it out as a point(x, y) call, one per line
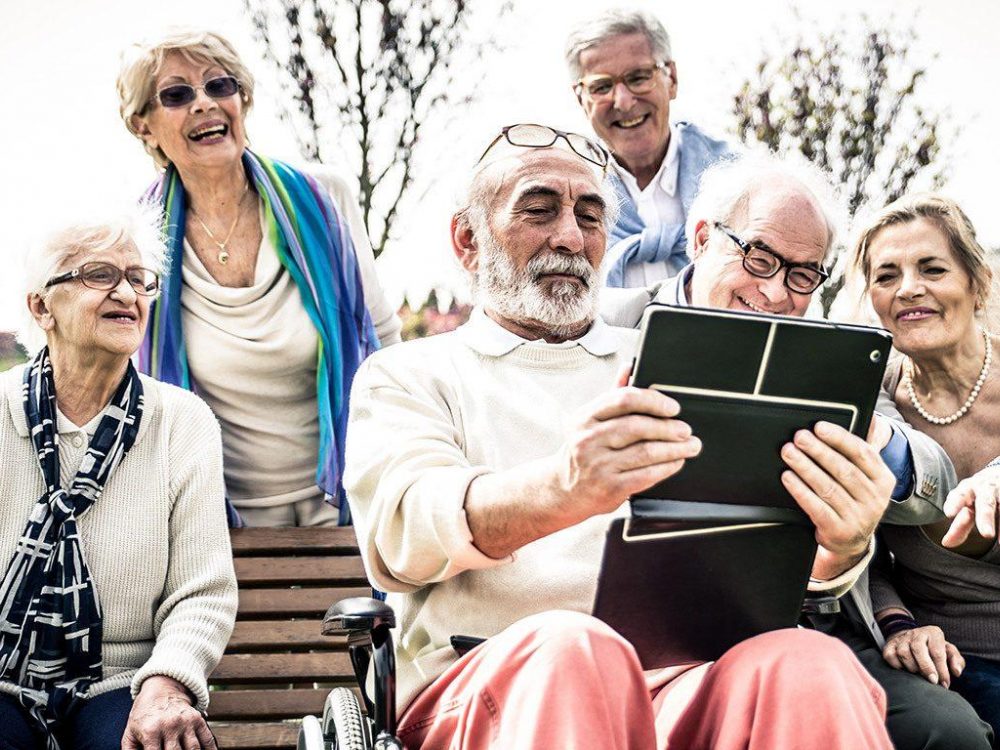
point(566, 680)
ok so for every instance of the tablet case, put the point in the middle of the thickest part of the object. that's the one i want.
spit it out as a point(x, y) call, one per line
point(746, 383)
point(683, 592)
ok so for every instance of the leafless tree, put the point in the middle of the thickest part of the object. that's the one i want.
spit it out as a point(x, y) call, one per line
point(364, 80)
point(848, 102)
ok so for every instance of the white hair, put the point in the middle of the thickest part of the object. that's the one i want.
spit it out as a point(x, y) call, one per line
point(136, 224)
point(726, 186)
point(614, 22)
point(475, 197)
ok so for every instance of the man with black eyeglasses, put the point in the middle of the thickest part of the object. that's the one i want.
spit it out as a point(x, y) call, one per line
point(760, 231)
point(624, 79)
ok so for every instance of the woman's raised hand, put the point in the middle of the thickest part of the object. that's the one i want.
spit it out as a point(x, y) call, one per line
point(973, 504)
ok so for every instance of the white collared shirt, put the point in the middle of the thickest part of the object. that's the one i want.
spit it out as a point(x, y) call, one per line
point(657, 204)
point(488, 337)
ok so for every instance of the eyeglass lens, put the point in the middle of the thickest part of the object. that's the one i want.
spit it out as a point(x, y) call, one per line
point(761, 263)
point(105, 276)
point(181, 94)
point(638, 81)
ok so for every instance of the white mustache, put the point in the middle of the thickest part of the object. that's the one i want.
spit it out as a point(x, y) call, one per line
point(574, 265)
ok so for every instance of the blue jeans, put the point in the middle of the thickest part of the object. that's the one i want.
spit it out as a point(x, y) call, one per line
point(98, 724)
point(980, 686)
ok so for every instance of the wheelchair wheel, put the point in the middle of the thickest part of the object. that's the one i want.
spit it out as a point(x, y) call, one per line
point(343, 723)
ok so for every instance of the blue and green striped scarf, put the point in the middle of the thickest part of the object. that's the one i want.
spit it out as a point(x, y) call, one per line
point(314, 245)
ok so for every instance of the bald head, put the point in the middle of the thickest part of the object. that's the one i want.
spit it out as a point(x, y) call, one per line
point(780, 209)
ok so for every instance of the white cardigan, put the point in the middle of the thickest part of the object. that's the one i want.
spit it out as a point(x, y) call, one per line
point(156, 540)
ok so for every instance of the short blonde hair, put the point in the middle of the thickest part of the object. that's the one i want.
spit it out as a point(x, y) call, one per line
point(945, 214)
point(141, 63)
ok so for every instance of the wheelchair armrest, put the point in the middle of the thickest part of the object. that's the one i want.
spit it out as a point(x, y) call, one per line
point(820, 604)
point(357, 615)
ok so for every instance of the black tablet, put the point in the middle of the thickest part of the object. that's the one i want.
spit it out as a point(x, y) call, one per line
point(683, 592)
point(746, 382)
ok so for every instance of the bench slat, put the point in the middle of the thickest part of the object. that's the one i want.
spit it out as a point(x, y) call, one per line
point(282, 635)
point(236, 669)
point(264, 705)
point(293, 571)
point(271, 736)
point(296, 541)
point(306, 602)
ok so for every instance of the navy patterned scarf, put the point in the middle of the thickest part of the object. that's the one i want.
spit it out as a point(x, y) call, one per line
point(50, 616)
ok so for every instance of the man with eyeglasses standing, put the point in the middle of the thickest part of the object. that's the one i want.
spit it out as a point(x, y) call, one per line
point(624, 78)
point(760, 230)
point(484, 465)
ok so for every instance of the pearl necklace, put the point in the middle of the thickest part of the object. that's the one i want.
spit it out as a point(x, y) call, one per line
point(968, 402)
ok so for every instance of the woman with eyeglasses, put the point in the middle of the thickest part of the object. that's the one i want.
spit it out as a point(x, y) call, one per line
point(270, 300)
point(117, 595)
point(929, 282)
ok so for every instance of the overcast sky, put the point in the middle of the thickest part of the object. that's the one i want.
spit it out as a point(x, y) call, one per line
point(62, 142)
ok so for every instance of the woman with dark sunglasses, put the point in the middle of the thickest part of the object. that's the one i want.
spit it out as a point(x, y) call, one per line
point(270, 300)
point(117, 590)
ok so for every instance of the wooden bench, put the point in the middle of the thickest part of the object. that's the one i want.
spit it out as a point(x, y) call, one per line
point(265, 681)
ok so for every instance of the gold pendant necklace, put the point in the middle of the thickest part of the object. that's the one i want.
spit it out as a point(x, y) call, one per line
point(223, 255)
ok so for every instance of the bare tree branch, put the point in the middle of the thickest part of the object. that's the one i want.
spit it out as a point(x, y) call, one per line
point(364, 78)
point(852, 112)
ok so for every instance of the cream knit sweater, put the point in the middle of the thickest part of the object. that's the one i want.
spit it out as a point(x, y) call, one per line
point(156, 540)
point(427, 417)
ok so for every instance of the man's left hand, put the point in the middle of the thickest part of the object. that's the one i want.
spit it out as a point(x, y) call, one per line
point(843, 485)
point(163, 717)
point(974, 503)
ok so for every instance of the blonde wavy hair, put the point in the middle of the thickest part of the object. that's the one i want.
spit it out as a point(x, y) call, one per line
point(141, 63)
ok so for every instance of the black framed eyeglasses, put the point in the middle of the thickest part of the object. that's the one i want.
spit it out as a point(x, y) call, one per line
point(801, 278)
point(528, 135)
point(601, 85)
point(105, 276)
point(182, 94)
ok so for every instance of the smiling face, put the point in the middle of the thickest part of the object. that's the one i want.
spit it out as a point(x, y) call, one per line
point(76, 318)
point(205, 134)
point(919, 288)
point(536, 262)
point(636, 127)
point(780, 216)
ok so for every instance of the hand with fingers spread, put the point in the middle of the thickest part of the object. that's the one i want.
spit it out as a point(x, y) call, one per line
point(924, 651)
point(843, 485)
point(162, 716)
point(973, 504)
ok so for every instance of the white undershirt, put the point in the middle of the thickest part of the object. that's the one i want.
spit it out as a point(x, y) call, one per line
point(253, 355)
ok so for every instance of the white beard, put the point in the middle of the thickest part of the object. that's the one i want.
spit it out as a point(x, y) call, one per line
point(517, 295)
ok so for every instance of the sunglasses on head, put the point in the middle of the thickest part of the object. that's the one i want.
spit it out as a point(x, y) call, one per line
point(182, 94)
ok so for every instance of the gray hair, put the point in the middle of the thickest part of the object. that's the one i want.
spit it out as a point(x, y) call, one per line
point(138, 225)
point(592, 31)
point(476, 198)
point(725, 188)
point(141, 62)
